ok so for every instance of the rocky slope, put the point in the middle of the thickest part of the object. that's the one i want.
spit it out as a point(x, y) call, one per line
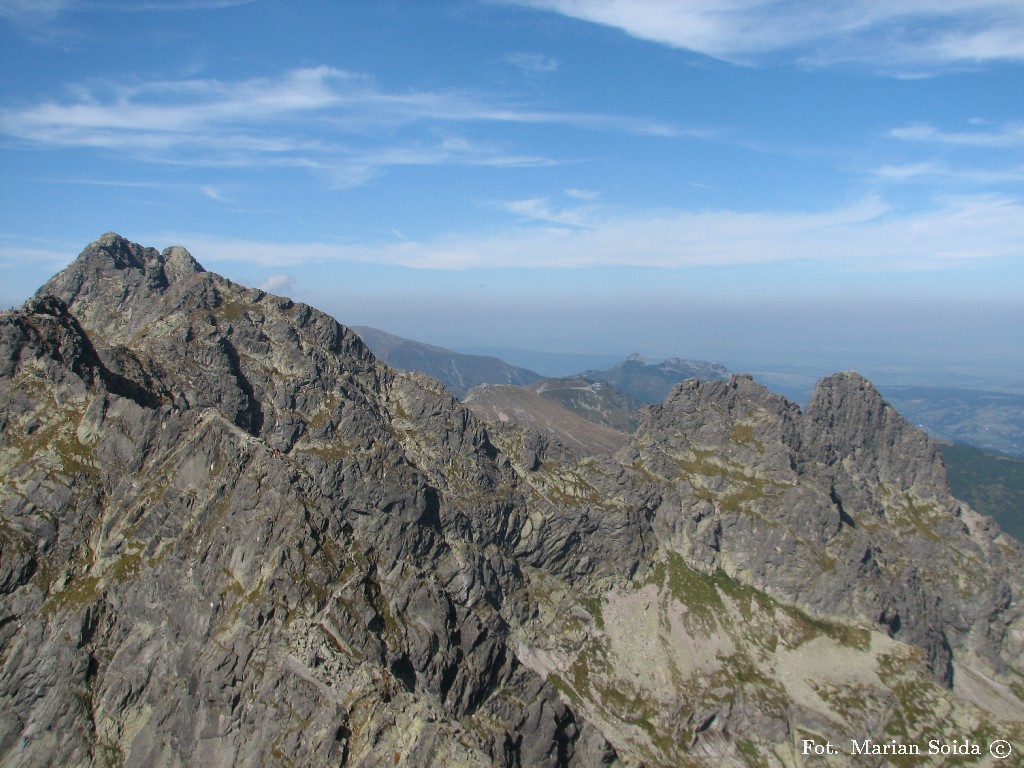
point(527, 409)
point(596, 401)
point(230, 536)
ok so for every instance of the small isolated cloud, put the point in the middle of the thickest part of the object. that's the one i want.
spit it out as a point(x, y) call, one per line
point(533, 63)
point(280, 283)
point(582, 194)
point(538, 209)
point(213, 193)
point(900, 35)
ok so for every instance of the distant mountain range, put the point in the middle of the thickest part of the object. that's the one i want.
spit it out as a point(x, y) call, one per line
point(992, 421)
point(652, 382)
point(592, 412)
point(551, 365)
point(457, 371)
point(642, 381)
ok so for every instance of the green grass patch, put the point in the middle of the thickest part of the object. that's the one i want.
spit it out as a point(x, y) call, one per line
point(920, 517)
point(230, 311)
point(592, 605)
point(751, 754)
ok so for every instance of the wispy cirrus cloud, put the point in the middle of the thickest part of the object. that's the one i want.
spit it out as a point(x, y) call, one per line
point(533, 63)
point(15, 257)
point(868, 236)
point(985, 154)
point(171, 5)
point(318, 118)
point(539, 209)
point(1001, 136)
point(931, 171)
point(899, 35)
point(36, 14)
point(22, 9)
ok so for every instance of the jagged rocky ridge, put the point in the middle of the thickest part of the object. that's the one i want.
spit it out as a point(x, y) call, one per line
point(230, 536)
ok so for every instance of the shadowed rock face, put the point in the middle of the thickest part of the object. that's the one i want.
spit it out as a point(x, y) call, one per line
point(230, 536)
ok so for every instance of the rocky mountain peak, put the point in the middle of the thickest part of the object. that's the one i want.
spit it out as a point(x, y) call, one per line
point(45, 324)
point(123, 253)
point(848, 421)
point(113, 269)
point(179, 264)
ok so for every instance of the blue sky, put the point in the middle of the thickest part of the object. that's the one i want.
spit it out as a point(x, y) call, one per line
point(828, 184)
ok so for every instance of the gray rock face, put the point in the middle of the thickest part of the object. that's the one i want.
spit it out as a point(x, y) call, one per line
point(220, 552)
point(848, 422)
point(772, 495)
point(230, 536)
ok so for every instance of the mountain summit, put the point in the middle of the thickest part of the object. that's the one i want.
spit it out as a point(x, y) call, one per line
point(230, 535)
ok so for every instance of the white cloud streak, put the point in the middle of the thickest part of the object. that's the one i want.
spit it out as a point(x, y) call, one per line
point(34, 12)
point(1006, 135)
point(533, 63)
point(27, 10)
point(867, 236)
point(931, 171)
point(16, 257)
point(318, 118)
point(582, 194)
point(899, 35)
point(539, 209)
